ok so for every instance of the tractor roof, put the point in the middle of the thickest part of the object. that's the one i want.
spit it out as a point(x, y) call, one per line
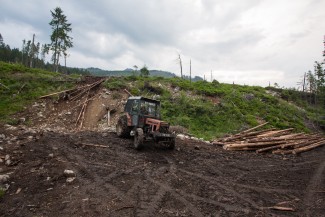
point(144, 98)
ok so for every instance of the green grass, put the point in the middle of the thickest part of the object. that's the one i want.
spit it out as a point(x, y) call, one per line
point(24, 85)
point(191, 105)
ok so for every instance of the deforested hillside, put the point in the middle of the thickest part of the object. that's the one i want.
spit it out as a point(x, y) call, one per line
point(204, 109)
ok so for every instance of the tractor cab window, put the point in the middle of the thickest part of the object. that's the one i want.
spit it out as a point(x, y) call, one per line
point(148, 108)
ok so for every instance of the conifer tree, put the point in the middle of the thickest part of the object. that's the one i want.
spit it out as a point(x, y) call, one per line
point(60, 39)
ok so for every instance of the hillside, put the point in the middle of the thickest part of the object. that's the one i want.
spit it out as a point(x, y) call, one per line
point(131, 72)
point(204, 109)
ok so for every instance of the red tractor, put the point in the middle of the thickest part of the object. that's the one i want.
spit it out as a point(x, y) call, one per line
point(141, 119)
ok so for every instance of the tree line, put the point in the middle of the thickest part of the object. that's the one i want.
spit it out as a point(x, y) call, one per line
point(33, 54)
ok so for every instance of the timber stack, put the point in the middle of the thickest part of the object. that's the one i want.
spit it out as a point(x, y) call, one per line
point(271, 140)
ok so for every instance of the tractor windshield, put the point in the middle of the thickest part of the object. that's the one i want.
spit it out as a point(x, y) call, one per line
point(149, 108)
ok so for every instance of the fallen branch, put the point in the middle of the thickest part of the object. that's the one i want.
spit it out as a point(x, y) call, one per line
point(128, 92)
point(282, 208)
point(56, 93)
point(93, 145)
point(4, 86)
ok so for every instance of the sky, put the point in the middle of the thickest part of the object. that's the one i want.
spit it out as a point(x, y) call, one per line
point(252, 42)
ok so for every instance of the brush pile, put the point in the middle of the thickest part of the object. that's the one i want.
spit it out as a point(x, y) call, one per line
point(271, 140)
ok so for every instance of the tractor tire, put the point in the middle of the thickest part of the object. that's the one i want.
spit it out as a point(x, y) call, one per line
point(171, 144)
point(138, 139)
point(122, 129)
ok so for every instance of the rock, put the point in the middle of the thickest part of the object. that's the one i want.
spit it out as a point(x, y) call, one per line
point(18, 191)
point(197, 147)
point(35, 104)
point(15, 138)
point(7, 157)
point(69, 173)
point(68, 113)
point(8, 162)
point(70, 179)
point(181, 136)
point(105, 134)
point(30, 131)
point(1, 161)
point(30, 137)
point(4, 178)
point(51, 155)
point(1, 148)
point(249, 96)
point(22, 120)
point(2, 136)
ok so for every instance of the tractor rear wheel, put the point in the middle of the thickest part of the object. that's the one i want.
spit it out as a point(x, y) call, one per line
point(122, 129)
point(138, 138)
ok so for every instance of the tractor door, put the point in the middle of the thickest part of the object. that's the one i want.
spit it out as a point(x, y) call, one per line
point(134, 113)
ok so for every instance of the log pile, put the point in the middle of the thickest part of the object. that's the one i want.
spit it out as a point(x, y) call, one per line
point(271, 140)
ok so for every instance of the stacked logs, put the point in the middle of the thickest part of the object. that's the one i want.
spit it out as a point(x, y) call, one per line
point(271, 140)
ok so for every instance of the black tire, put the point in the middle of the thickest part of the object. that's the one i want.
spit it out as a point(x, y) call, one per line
point(122, 129)
point(138, 139)
point(171, 144)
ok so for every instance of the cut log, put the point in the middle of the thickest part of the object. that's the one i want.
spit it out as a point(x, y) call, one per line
point(283, 152)
point(308, 147)
point(277, 132)
point(254, 128)
point(301, 143)
point(245, 135)
point(251, 145)
point(267, 148)
point(239, 149)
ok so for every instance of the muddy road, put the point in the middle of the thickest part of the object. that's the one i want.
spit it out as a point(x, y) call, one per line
point(195, 179)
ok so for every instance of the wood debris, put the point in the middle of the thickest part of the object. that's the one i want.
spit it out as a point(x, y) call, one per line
point(271, 140)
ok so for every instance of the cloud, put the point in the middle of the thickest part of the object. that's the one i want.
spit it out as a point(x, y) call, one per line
point(252, 42)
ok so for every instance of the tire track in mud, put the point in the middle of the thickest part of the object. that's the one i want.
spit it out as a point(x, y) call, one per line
point(222, 186)
point(314, 182)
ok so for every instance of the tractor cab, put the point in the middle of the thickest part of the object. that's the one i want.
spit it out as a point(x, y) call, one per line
point(140, 108)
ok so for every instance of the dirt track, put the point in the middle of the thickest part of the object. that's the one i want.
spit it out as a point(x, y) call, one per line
point(195, 179)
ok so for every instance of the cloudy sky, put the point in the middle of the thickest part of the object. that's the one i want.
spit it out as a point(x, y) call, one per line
point(247, 42)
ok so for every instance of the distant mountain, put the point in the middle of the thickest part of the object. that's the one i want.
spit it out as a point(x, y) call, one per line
point(128, 72)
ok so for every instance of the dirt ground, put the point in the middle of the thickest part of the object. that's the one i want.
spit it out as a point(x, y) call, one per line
point(114, 179)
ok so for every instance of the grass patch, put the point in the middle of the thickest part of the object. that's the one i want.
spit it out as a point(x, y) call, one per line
point(23, 85)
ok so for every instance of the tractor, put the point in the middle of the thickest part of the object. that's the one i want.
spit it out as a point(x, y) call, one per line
point(141, 119)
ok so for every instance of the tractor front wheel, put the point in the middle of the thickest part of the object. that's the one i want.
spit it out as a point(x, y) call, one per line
point(138, 138)
point(122, 129)
point(171, 144)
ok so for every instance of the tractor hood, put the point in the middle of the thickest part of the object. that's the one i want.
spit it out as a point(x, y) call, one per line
point(156, 124)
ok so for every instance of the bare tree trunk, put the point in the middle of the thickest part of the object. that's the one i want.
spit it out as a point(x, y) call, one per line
point(190, 71)
point(32, 52)
point(180, 64)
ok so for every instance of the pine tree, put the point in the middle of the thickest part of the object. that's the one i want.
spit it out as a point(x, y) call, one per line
point(1, 39)
point(60, 40)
